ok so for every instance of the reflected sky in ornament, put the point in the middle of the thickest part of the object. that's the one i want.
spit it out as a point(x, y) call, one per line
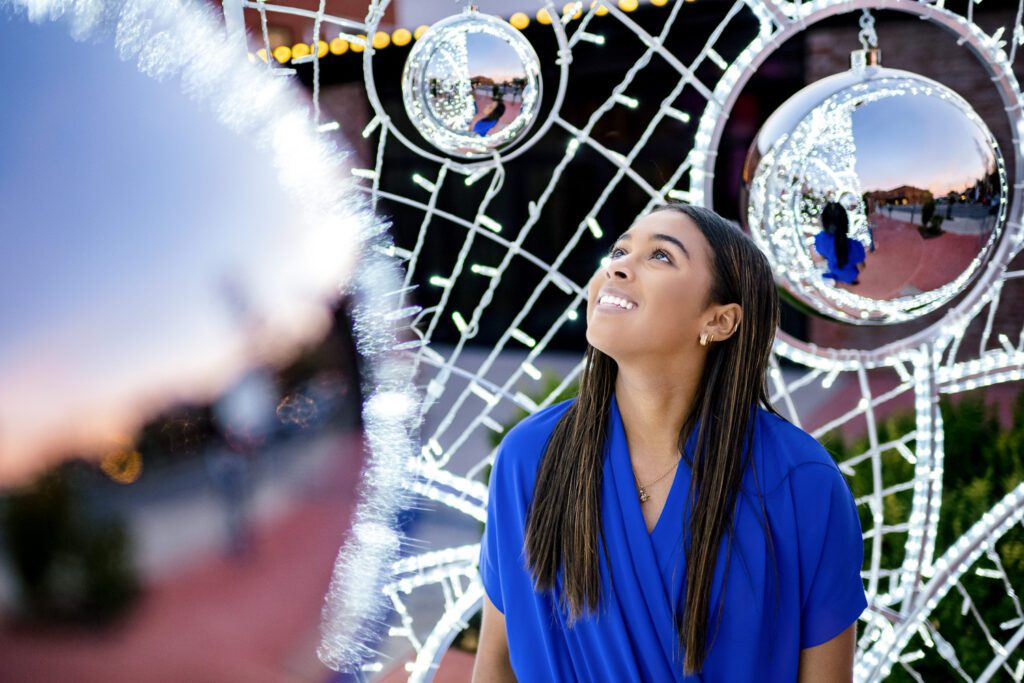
point(493, 58)
point(950, 157)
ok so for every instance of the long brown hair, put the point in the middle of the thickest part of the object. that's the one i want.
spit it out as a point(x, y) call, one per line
point(564, 519)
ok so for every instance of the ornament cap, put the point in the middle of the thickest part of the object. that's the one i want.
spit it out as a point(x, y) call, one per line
point(861, 59)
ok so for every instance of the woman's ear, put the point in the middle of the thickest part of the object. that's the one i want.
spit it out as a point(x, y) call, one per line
point(725, 321)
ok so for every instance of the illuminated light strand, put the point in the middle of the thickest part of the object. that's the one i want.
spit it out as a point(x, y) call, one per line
point(477, 175)
point(627, 101)
point(489, 223)
point(531, 370)
point(367, 173)
point(302, 53)
point(680, 116)
point(371, 126)
point(484, 270)
point(522, 337)
point(423, 182)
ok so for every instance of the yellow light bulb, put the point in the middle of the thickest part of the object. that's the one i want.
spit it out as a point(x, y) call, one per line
point(381, 40)
point(401, 37)
point(282, 53)
point(262, 54)
point(568, 8)
point(659, 3)
point(543, 17)
point(420, 30)
point(358, 47)
point(601, 9)
point(300, 50)
point(628, 5)
point(339, 46)
point(520, 20)
point(321, 49)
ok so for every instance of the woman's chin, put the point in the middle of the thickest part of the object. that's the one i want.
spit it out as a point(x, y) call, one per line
point(604, 342)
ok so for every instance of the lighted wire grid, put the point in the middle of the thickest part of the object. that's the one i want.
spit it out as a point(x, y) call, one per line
point(895, 631)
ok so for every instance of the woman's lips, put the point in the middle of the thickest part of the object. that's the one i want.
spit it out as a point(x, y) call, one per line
point(613, 308)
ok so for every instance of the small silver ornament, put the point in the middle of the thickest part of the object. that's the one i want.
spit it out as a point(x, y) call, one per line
point(472, 85)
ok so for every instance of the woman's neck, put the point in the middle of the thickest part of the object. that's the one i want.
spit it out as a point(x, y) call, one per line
point(653, 406)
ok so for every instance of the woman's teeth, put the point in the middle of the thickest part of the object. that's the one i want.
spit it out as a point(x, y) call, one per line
point(621, 303)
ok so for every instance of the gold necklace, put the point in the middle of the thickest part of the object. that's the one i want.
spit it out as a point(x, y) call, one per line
point(643, 488)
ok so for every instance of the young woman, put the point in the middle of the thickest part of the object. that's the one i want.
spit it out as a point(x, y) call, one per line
point(667, 524)
point(844, 255)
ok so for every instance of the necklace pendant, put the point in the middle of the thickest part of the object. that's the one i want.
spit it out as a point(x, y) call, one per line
point(643, 495)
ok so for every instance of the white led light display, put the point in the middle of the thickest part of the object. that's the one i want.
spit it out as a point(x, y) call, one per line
point(373, 587)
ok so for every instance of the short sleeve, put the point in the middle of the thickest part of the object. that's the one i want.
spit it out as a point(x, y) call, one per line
point(490, 562)
point(819, 243)
point(856, 252)
point(831, 552)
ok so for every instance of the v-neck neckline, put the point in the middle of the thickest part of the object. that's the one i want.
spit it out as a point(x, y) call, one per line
point(673, 502)
point(672, 493)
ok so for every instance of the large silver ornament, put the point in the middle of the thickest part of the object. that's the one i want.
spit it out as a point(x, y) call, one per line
point(878, 195)
point(472, 85)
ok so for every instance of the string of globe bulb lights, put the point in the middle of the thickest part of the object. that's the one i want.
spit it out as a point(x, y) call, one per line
point(401, 37)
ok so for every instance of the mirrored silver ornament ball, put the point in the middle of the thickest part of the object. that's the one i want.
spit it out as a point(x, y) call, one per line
point(472, 85)
point(877, 194)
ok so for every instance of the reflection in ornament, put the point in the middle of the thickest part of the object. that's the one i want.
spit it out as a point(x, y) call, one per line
point(918, 175)
point(472, 84)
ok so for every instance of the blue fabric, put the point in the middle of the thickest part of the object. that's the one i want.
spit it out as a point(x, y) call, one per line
point(483, 126)
point(815, 530)
point(825, 244)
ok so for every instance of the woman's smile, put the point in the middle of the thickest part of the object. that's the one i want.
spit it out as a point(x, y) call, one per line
point(611, 300)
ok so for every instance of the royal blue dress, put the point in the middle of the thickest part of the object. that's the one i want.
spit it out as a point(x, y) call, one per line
point(815, 530)
point(825, 244)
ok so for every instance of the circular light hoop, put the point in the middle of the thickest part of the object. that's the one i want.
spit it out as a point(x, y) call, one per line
point(445, 108)
point(736, 76)
point(833, 141)
point(496, 158)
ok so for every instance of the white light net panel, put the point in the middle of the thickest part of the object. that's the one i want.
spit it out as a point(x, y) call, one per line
point(400, 599)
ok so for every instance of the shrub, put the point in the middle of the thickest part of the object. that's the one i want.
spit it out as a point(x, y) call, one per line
point(68, 567)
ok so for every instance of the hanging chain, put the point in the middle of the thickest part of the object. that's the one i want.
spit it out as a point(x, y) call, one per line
point(868, 37)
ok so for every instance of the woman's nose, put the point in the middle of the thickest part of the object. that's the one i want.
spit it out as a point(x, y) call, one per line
point(618, 270)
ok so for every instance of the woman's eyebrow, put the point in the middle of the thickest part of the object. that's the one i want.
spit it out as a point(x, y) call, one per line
point(661, 237)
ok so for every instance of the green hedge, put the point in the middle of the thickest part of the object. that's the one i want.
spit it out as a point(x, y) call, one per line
point(68, 566)
point(982, 463)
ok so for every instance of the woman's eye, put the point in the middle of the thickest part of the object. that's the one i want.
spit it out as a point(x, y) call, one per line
point(663, 253)
point(613, 251)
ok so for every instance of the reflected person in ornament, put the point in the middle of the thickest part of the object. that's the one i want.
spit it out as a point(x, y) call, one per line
point(667, 524)
point(843, 254)
point(489, 120)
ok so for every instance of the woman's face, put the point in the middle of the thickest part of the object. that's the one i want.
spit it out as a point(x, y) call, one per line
point(661, 267)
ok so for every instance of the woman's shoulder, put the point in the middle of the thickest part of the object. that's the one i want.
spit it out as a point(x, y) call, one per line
point(524, 444)
point(786, 448)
